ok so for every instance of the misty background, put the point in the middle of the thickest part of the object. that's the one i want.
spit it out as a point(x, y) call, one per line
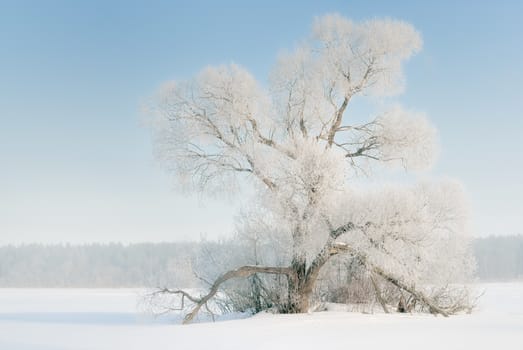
point(499, 258)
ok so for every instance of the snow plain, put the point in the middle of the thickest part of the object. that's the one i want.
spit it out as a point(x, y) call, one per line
point(62, 319)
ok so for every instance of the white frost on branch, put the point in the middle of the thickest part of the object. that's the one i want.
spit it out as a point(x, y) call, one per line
point(418, 233)
point(294, 143)
point(208, 130)
point(369, 53)
point(406, 138)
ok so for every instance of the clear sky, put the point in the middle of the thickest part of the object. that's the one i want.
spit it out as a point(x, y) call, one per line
point(76, 163)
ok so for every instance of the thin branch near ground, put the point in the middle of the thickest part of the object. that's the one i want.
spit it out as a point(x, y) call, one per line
point(379, 296)
point(331, 249)
point(433, 308)
point(241, 272)
point(412, 290)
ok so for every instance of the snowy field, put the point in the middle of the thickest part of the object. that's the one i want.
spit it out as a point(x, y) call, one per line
point(61, 319)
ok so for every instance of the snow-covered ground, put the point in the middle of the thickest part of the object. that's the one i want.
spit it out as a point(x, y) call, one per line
point(62, 319)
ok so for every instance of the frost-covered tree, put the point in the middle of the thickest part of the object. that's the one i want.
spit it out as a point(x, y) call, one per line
point(223, 131)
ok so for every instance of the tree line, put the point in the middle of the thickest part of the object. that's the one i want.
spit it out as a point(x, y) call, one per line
point(498, 258)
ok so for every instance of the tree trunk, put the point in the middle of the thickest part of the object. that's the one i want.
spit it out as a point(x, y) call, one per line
point(300, 292)
point(298, 299)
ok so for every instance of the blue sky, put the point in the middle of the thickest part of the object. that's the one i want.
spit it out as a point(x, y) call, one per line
point(76, 162)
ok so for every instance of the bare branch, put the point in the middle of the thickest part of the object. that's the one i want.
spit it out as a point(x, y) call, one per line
point(435, 309)
point(377, 290)
point(337, 120)
point(241, 272)
point(335, 233)
point(181, 292)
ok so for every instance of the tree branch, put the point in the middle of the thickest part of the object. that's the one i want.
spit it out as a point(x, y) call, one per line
point(241, 272)
point(435, 309)
point(337, 120)
point(378, 294)
point(335, 233)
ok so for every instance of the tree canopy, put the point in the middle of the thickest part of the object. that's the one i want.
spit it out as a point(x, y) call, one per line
point(295, 145)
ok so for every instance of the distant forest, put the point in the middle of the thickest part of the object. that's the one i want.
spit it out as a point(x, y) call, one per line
point(498, 258)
